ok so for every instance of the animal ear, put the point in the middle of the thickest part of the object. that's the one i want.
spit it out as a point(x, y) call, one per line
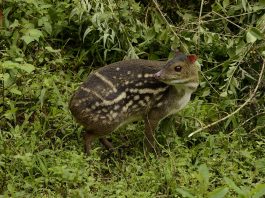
point(192, 58)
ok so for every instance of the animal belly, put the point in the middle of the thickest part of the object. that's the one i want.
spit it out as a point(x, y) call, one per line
point(104, 126)
point(129, 120)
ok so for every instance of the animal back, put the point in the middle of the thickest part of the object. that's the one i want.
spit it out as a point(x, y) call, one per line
point(118, 92)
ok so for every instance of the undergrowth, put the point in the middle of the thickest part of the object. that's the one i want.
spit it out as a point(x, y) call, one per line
point(47, 48)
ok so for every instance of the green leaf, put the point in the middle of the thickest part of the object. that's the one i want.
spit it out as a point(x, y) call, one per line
point(23, 66)
point(250, 38)
point(27, 67)
point(232, 185)
point(240, 47)
point(224, 94)
point(105, 37)
point(31, 35)
point(260, 165)
point(231, 71)
point(44, 21)
point(261, 121)
point(253, 34)
point(204, 175)
point(184, 193)
point(14, 90)
point(10, 65)
point(88, 30)
point(206, 92)
point(244, 4)
point(28, 39)
point(226, 3)
point(14, 24)
point(6, 78)
point(50, 49)
point(258, 191)
point(42, 97)
point(218, 193)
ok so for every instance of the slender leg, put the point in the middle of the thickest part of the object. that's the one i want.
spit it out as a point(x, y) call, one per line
point(150, 127)
point(88, 137)
point(106, 143)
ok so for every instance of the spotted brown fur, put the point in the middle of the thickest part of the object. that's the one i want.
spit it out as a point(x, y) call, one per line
point(131, 90)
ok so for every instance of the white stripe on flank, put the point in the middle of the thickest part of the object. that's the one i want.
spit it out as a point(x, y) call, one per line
point(94, 93)
point(104, 101)
point(103, 78)
point(153, 91)
point(148, 90)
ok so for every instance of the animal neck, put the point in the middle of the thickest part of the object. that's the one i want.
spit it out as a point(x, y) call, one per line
point(181, 95)
point(188, 87)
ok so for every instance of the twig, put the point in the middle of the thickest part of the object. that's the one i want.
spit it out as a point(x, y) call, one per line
point(202, 73)
point(246, 121)
point(199, 23)
point(257, 128)
point(229, 20)
point(169, 25)
point(239, 108)
point(231, 16)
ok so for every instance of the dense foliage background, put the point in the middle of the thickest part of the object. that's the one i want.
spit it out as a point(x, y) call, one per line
point(48, 47)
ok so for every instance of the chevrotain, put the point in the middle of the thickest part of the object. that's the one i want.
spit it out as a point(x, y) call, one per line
point(131, 90)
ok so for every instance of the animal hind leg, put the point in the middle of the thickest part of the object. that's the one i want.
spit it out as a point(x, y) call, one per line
point(106, 143)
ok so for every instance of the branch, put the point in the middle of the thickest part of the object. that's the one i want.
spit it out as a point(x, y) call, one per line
point(169, 25)
point(239, 108)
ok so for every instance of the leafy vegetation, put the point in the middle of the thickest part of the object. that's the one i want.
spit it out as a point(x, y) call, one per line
point(47, 49)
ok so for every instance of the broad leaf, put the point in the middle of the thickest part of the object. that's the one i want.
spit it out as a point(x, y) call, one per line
point(31, 35)
point(184, 193)
point(10, 65)
point(258, 191)
point(218, 193)
point(14, 90)
point(204, 175)
point(27, 67)
point(232, 185)
point(253, 34)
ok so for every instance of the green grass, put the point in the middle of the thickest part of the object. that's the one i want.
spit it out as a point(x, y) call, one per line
point(47, 48)
point(42, 155)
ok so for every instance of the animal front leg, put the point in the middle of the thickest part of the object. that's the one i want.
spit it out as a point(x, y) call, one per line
point(150, 126)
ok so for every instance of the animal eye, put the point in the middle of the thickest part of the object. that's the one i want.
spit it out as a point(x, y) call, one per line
point(178, 68)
